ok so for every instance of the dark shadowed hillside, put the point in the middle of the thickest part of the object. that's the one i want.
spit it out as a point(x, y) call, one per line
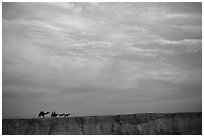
point(147, 123)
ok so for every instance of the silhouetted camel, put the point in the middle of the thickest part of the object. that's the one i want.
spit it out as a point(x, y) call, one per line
point(66, 114)
point(42, 114)
point(54, 114)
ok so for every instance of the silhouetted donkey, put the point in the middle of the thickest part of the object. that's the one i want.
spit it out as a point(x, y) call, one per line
point(61, 114)
point(42, 114)
point(66, 114)
point(54, 114)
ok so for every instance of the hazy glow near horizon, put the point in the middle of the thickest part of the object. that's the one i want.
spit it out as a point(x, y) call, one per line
point(101, 58)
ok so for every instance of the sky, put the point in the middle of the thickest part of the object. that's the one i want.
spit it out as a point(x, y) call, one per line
point(101, 58)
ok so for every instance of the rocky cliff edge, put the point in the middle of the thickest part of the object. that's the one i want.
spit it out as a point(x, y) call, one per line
point(137, 124)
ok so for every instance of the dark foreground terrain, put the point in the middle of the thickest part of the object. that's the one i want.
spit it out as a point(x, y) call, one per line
point(147, 123)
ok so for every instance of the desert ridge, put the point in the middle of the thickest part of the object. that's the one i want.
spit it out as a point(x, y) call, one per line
point(124, 124)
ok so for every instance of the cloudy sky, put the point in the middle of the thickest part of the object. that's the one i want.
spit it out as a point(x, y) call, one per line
point(101, 58)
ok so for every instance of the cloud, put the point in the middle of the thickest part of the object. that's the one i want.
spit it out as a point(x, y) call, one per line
point(75, 23)
point(190, 45)
point(165, 17)
point(30, 23)
point(149, 52)
point(61, 5)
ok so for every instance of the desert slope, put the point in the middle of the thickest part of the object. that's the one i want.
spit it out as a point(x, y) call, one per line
point(146, 123)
